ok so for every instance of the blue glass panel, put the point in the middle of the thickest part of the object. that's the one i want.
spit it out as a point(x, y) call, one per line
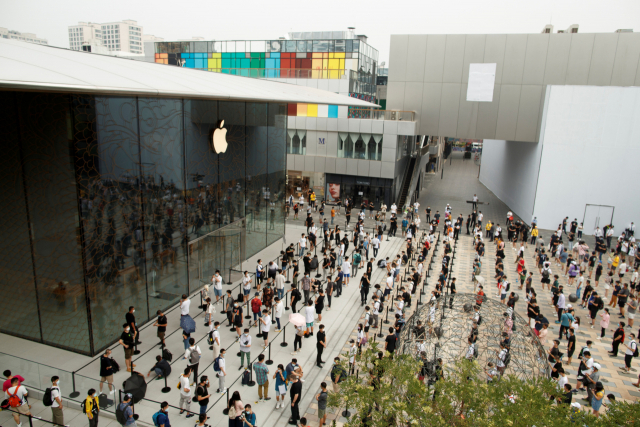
point(190, 63)
point(275, 54)
point(333, 111)
point(244, 72)
point(199, 63)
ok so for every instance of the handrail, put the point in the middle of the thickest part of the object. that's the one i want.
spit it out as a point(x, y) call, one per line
point(33, 416)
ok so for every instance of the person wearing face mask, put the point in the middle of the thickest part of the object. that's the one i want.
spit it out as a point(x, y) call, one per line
point(131, 321)
point(202, 394)
point(127, 340)
point(245, 349)
point(217, 285)
point(162, 419)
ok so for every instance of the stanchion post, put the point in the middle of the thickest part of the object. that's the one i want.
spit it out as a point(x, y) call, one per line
point(74, 393)
point(166, 388)
point(380, 335)
point(269, 361)
point(284, 332)
point(386, 320)
point(135, 347)
point(248, 316)
point(225, 411)
point(229, 282)
point(286, 303)
point(251, 381)
point(223, 311)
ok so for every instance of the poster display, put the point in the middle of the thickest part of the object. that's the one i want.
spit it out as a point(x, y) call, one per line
point(482, 78)
point(334, 193)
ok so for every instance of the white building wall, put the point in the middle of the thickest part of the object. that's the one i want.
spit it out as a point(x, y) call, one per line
point(510, 170)
point(591, 152)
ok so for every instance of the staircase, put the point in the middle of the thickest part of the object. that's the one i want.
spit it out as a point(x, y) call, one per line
point(406, 183)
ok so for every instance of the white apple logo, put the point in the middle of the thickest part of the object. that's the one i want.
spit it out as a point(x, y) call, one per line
point(219, 138)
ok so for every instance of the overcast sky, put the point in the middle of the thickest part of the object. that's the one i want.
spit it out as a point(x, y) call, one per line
point(378, 19)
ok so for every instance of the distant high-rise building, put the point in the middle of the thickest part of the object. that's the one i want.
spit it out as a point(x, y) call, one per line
point(5, 33)
point(123, 36)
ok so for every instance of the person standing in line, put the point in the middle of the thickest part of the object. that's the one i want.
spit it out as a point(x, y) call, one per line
point(125, 407)
point(161, 323)
point(281, 385)
point(618, 338)
point(321, 398)
point(320, 345)
point(131, 321)
point(217, 285)
point(9, 377)
point(630, 353)
point(126, 340)
point(222, 372)
point(295, 297)
point(245, 349)
point(185, 304)
point(265, 321)
point(296, 393)
point(309, 317)
point(56, 397)
point(280, 280)
point(163, 415)
point(279, 310)
point(214, 334)
point(185, 392)
point(193, 354)
point(91, 408)
point(604, 323)
point(106, 371)
point(262, 378)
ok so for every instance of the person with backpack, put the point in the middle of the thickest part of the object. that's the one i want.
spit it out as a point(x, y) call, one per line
point(106, 371)
point(161, 418)
point(124, 412)
point(502, 358)
point(16, 395)
point(53, 397)
point(202, 394)
point(193, 354)
point(219, 369)
point(91, 408)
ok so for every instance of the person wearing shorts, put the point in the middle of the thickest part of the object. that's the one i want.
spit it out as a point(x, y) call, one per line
point(322, 403)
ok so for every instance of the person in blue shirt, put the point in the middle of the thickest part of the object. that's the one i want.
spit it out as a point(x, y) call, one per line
point(163, 415)
point(565, 322)
point(405, 223)
point(249, 417)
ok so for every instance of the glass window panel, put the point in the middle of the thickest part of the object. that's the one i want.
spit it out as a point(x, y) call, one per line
point(18, 285)
point(302, 46)
point(257, 46)
point(276, 164)
point(331, 45)
point(290, 45)
point(356, 45)
point(320, 46)
point(217, 47)
point(340, 45)
point(201, 46)
point(276, 46)
point(256, 171)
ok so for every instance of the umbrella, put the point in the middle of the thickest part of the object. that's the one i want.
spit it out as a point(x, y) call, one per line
point(297, 319)
point(480, 280)
point(136, 386)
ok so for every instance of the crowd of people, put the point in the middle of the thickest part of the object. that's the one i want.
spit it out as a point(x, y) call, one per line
point(316, 280)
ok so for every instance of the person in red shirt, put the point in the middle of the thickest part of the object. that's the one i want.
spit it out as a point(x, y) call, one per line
point(7, 384)
point(479, 295)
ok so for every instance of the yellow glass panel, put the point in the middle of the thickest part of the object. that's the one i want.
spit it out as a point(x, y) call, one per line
point(302, 110)
point(218, 62)
point(316, 74)
point(216, 55)
point(334, 74)
point(334, 64)
point(325, 64)
point(339, 55)
point(316, 55)
point(316, 64)
point(342, 64)
point(331, 55)
point(312, 110)
point(211, 63)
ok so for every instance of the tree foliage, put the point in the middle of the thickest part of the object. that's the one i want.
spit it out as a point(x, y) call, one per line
point(387, 392)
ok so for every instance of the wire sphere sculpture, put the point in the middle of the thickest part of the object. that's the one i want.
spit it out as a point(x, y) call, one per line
point(448, 324)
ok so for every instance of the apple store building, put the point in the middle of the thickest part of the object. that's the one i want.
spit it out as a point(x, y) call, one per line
point(127, 183)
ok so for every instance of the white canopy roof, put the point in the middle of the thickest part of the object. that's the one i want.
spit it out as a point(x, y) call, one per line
point(29, 66)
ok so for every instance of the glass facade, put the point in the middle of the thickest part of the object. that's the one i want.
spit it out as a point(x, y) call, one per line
point(117, 201)
point(324, 59)
point(367, 189)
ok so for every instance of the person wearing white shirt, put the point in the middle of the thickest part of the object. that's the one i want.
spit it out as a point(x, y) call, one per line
point(303, 244)
point(193, 354)
point(597, 232)
point(278, 312)
point(346, 270)
point(301, 201)
point(214, 333)
point(280, 281)
point(470, 350)
point(420, 267)
point(399, 305)
point(394, 208)
point(265, 320)
point(341, 255)
point(502, 355)
point(629, 353)
point(246, 285)
point(480, 216)
point(353, 350)
point(309, 316)
point(216, 281)
point(185, 390)
point(376, 246)
point(562, 380)
point(185, 303)
point(56, 397)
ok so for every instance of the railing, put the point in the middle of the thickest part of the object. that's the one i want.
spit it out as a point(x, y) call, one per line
point(371, 113)
point(284, 73)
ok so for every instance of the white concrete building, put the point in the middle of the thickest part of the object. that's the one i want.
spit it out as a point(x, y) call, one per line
point(6, 33)
point(124, 36)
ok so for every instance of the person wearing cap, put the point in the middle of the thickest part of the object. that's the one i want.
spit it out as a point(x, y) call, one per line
point(125, 407)
point(575, 408)
point(590, 380)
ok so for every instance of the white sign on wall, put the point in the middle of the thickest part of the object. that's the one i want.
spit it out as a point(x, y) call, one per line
point(482, 78)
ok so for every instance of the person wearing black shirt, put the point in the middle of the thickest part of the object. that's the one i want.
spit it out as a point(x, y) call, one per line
point(321, 344)
point(393, 226)
point(452, 291)
point(348, 214)
point(473, 337)
point(295, 392)
point(419, 331)
point(364, 289)
point(308, 222)
point(126, 340)
point(161, 368)
point(567, 395)
point(161, 323)
point(574, 225)
point(390, 342)
point(533, 311)
point(618, 336)
point(131, 321)
point(571, 345)
point(106, 371)
point(406, 296)
point(290, 252)
point(202, 394)
point(295, 297)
